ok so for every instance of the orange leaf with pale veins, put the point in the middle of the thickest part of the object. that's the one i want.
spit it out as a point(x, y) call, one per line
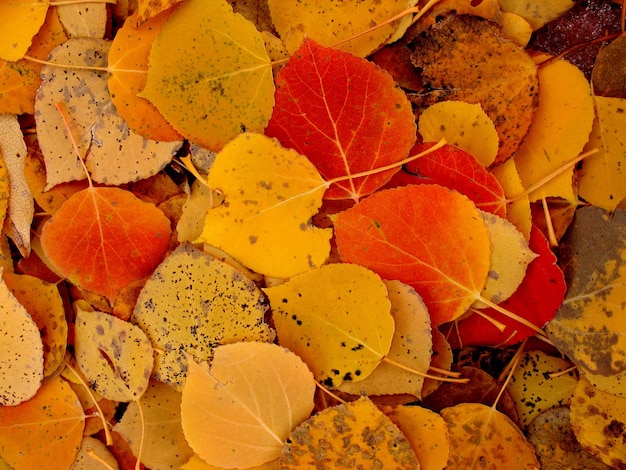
point(102, 239)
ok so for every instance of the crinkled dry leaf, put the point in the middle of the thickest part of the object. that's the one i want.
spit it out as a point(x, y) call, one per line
point(336, 318)
point(239, 412)
point(354, 435)
point(213, 303)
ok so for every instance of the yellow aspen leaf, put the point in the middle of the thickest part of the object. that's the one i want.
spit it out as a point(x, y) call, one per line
point(156, 437)
point(21, 208)
point(44, 304)
point(196, 463)
point(462, 124)
point(516, 28)
point(47, 428)
point(599, 423)
point(114, 355)
point(336, 318)
point(112, 153)
point(19, 80)
point(270, 195)
point(518, 210)
point(411, 346)
point(214, 304)
point(510, 256)
point(534, 390)
point(210, 75)
point(331, 22)
point(94, 455)
point(441, 358)
point(239, 412)
point(21, 355)
point(19, 22)
point(5, 188)
point(147, 9)
point(560, 129)
point(602, 179)
point(128, 63)
point(191, 222)
point(589, 326)
point(536, 12)
point(354, 435)
point(482, 437)
point(84, 20)
point(426, 431)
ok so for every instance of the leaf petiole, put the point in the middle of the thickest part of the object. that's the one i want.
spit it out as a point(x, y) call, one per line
point(426, 374)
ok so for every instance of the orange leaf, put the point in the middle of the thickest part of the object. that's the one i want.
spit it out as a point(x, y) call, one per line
point(102, 239)
point(426, 236)
point(345, 114)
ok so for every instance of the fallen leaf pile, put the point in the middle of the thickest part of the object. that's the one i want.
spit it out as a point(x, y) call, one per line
point(283, 235)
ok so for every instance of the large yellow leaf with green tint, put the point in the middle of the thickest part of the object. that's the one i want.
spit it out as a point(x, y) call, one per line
point(351, 435)
point(483, 438)
point(337, 318)
point(602, 180)
point(599, 423)
point(47, 428)
point(559, 131)
point(210, 75)
point(19, 21)
point(270, 194)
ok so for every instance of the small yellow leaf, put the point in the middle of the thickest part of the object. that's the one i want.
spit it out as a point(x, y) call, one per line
point(559, 130)
point(354, 435)
point(239, 413)
point(19, 22)
point(599, 423)
point(270, 195)
point(336, 318)
point(602, 179)
point(517, 211)
point(94, 455)
point(115, 356)
point(462, 124)
point(21, 354)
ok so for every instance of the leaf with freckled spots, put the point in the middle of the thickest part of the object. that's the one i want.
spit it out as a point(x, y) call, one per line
point(336, 318)
point(114, 355)
point(590, 326)
point(193, 303)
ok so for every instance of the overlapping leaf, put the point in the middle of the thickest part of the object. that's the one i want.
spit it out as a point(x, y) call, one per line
point(19, 22)
point(426, 236)
point(345, 114)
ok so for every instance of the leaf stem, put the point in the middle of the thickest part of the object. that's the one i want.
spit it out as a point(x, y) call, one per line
point(328, 392)
point(142, 418)
point(59, 106)
point(550, 227)
point(512, 367)
point(511, 315)
point(425, 374)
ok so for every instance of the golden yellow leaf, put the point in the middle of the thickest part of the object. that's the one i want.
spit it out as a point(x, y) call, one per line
point(21, 354)
point(536, 12)
point(482, 437)
point(44, 304)
point(516, 28)
point(602, 179)
point(94, 455)
point(239, 412)
point(426, 431)
point(441, 358)
point(157, 432)
point(210, 75)
point(114, 355)
point(534, 390)
point(354, 435)
point(191, 222)
point(462, 124)
point(559, 130)
point(270, 195)
point(47, 428)
point(599, 423)
point(411, 346)
point(196, 463)
point(517, 211)
point(336, 318)
point(329, 23)
point(214, 304)
point(19, 22)
point(147, 9)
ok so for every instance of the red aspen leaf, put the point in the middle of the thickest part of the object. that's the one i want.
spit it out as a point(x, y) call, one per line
point(481, 437)
point(343, 113)
point(465, 58)
point(103, 239)
point(427, 236)
point(351, 435)
point(47, 428)
point(456, 169)
point(210, 75)
point(336, 318)
point(238, 412)
point(128, 64)
point(537, 299)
